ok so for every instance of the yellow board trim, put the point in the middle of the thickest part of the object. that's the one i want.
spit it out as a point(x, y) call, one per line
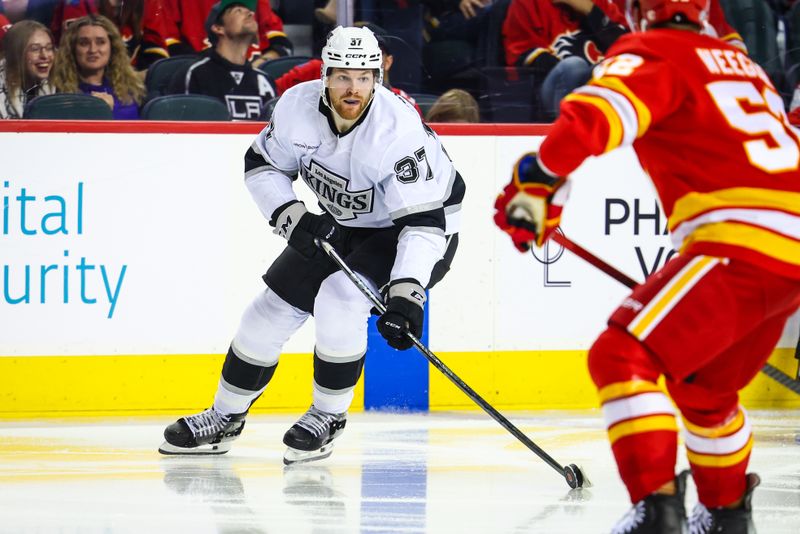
point(614, 122)
point(81, 386)
point(67, 386)
point(641, 425)
point(724, 460)
point(516, 380)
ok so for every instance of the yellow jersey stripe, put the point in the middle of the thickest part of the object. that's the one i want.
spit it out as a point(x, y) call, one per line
point(723, 460)
point(535, 54)
point(731, 427)
point(614, 122)
point(692, 204)
point(626, 389)
point(766, 242)
point(641, 425)
point(643, 112)
point(665, 300)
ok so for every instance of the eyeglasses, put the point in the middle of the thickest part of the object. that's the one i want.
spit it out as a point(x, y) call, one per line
point(38, 49)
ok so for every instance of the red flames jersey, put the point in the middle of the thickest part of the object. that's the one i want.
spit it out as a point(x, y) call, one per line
point(533, 27)
point(709, 129)
point(189, 18)
point(155, 28)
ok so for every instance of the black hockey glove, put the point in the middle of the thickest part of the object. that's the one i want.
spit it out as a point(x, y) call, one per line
point(404, 313)
point(300, 227)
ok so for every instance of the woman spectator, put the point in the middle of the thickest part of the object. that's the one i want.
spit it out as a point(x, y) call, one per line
point(25, 69)
point(92, 59)
point(455, 105)
point(143, 24)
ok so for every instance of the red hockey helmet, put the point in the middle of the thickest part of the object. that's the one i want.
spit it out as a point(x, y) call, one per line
point(647, 13)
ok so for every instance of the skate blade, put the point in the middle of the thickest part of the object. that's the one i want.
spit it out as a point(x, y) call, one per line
point(218, 448)
point(296, 456)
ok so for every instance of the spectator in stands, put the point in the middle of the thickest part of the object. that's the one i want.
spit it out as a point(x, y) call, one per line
point(456, 19)
point(5, 25)
point(38, 10)
point(143, 24)
point(188, 32)
point(563, 39)
point(25, 68)
point(716, 25)
point(223, 71)
point(92, 59)
point(327, 13)
point(455, 105)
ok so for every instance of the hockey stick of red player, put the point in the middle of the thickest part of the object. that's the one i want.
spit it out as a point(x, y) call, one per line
point(572, 473)
point(590, 258)
point(768, 369)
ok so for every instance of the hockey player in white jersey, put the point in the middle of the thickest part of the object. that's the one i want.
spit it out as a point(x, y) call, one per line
point(391, 202)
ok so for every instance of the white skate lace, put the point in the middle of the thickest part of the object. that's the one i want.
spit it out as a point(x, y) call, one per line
point(701, 520)
point(631, 520)
point(206, 423)
point(316, 421)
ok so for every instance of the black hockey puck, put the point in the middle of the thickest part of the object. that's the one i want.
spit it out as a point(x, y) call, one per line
point(573, 475)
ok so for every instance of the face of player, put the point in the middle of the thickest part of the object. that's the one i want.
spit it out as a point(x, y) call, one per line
point(38, 57)
point(350, 91)
point(238, 21)
point(92, 50)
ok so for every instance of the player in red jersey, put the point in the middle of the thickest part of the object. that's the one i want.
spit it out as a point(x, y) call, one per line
point(188, 33)
point(710, 130)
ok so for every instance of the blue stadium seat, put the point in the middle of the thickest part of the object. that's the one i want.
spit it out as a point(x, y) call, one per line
point(67, 106)
point(185, 108)
point(160, 73)
point(275, 68)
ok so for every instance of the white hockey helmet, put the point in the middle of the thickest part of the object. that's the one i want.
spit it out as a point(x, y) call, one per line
point(352, 48)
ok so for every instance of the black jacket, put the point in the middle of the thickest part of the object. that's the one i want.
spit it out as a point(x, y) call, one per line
point(242, 88)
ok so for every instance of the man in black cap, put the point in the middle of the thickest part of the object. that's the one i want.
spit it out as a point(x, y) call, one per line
point(223, 71)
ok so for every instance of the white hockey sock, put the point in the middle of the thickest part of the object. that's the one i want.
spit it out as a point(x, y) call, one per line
point(227, 402)
point(338, 403)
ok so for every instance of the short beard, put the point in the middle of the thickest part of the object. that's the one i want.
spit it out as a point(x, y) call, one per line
point(357, 114)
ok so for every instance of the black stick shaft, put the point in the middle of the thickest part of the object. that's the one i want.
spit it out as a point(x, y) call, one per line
point(468, 391)
point(769, 370)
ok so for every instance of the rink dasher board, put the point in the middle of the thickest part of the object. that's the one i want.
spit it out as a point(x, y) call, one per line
point(117, 241)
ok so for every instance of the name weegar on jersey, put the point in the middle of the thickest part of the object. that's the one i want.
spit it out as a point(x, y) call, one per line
point(389, 169)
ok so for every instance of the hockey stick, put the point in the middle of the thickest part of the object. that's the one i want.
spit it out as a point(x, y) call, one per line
point(768, 369)
point(572, 473)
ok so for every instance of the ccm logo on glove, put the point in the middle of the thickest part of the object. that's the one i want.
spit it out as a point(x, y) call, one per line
point(405, 301)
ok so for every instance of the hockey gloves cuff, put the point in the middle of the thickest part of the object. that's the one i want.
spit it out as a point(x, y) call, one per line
point(300, 227)
point(404, 313)
point(529, 208)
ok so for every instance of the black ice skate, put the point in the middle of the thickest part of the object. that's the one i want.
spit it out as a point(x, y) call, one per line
point(208, 432)
point(657, 514)
point(311, 437)
point(735, 521)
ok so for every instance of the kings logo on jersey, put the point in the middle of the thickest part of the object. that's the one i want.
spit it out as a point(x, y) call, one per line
point(331, 190)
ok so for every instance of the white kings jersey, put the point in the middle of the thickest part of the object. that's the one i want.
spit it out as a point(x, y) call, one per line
point(388, 169)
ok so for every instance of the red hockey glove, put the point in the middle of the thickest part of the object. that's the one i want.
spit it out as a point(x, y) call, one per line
point(529, 208)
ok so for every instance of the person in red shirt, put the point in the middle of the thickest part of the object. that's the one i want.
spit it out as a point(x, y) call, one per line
point(5, 25)
point(143, 24)
point(188, 34)
point(725, 163)
point(562, 40)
